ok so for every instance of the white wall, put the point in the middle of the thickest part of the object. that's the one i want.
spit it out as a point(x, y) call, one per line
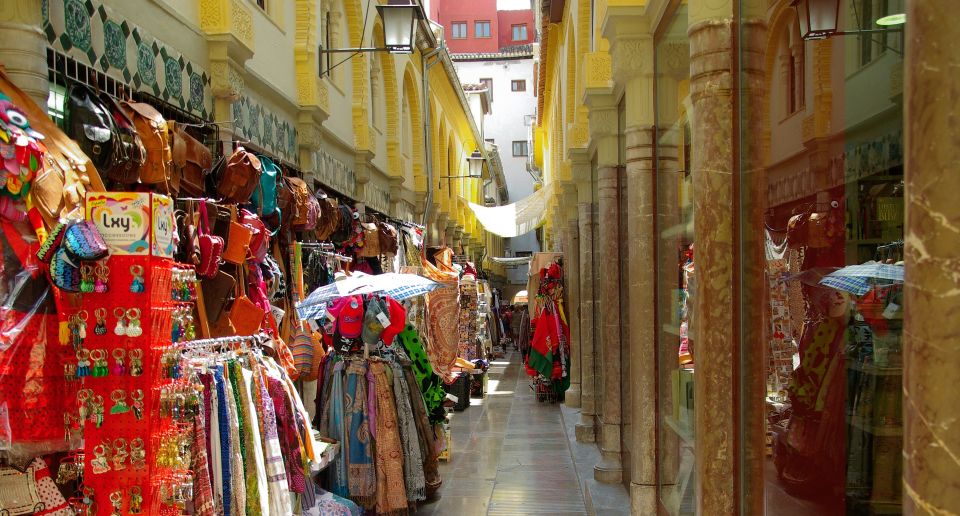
point(506, 125)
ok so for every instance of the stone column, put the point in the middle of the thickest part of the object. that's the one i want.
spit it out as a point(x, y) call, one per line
point(585, 429)
point(603, 123)
point(571, 257)
point(711, 90)
point(931, 480)
point(23, 47)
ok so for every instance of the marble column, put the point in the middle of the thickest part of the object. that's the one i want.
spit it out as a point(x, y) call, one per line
point(931, 479)
point(571, 256)
point(23, 48)
point(711, 91)
point(610, 469)
point(586, 428)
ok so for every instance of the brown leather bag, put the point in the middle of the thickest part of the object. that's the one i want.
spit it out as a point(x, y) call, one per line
point(154, 134)
point(371, 240)
point(329, 218)
point(240, 177)
point(245, 315)
point(300, 205)
point(191, 161)
point(388, 238)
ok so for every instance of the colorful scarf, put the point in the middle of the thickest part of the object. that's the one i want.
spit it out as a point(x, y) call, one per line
point(391, 492)
point(428, 447)
point(273, 454)
point(361, 474)
point(412, 458)
point(262, 497)
point(238, 491)
point(332, 423)
point(442, 312)
point(222, 443)
point(246, 420)
point(203, 503)
point(429, 383)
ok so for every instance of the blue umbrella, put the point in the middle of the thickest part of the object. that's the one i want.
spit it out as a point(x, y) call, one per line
point(397, 286)
point(860, 279)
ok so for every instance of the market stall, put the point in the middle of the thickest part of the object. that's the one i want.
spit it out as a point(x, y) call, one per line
point(154, 357)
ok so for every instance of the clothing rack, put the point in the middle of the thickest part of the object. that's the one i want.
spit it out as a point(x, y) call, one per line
point(323, 246)
point(219, 341)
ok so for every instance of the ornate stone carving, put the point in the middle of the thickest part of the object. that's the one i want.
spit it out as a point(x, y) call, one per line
point(213, 16)
point(226, 82)
point(676, 59)
point(598, 70)
point(631, 57)
point(242, 23)
point(603, 122)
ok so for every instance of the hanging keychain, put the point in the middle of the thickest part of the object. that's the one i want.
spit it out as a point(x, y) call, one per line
point(101, 326)
point(119, 397)
point(99, 358)
point(136, 500)
point(99, 465)
point(96, 412)
point(120, 329)
point(118, 367)
point(83, 363)
point(136, 362)
point(133, 326)
point(138, 456)
point(102, 273)
point(137, 403)
point(137, 286)
point(119, 454)
point(86, 278)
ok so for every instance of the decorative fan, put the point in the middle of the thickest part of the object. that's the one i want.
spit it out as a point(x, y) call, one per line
point(21, 150)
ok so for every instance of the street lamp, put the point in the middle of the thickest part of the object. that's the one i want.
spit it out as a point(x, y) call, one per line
point(399, 32)
point(819, 19)
point(474, 165)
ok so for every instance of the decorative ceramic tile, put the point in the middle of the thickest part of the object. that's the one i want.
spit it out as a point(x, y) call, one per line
point(88, 31)
point(266, 129)
point(335, 173)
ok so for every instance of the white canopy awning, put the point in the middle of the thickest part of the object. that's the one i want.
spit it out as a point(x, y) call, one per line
point(517, 218)
point(512, 260)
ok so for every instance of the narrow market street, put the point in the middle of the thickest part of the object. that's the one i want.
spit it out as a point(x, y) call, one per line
point(510, 454)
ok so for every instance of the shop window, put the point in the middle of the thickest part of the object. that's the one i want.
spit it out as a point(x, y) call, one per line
point(458, 30)
point(520, 149)
point(519, 32)
point(793, 65)
point(518, 85)
point(481, 29)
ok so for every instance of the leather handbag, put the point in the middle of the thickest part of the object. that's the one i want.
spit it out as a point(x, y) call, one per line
point(83, 241)
point(129, 153)
point(260, 240)
point(245, 315)
point(265, 196)
point(211, 247)
point(90, 123)
point(303, 350)
point(216, 292)
point(388, 238)
point(154, 133)
point(240, 177)
point(329, 218)
point(192, 160)
point(371, 241)
point(238, 243)
point(298, 214)
point(313, 214)
point(64, 271)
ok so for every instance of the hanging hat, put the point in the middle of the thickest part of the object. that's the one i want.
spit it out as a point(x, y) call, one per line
point(373, 321)
point(350, 317)
point(398, 320)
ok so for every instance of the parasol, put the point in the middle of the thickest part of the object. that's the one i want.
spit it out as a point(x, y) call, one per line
point(860, 279)
point(396, 285)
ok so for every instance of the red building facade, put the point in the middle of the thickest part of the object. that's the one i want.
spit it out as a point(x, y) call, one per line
point(477, 26)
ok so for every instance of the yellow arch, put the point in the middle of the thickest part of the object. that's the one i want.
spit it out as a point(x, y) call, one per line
point(411, 95)
point(391, 103)
point(353, 11)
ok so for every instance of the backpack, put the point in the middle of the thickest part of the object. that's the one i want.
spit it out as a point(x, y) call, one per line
point(153, 131)
point(265, 195)
point(240, 177)
point(129, 153)
point(300, 202)
point(90, 123)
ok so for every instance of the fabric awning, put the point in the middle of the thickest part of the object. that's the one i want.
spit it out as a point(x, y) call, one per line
point(517, 218)
point(512, 260)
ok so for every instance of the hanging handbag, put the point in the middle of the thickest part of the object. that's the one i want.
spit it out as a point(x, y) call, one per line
point(371, 241)
point(265, 196)
point(83, 241)
point(260, 240)
point(155, 136)
point(52, 243)
point(129, 153)
point(245, 315)
point(238, 243)
point(216, 292)
point(240, 177)
point(388, 238)
point(65, 272)
point(211, 247)
point(90, 123)
point(191, 161)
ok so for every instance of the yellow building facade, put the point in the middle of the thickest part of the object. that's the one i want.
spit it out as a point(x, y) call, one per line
point(255, 69)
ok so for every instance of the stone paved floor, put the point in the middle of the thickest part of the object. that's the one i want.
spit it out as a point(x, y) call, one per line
point(510, 454)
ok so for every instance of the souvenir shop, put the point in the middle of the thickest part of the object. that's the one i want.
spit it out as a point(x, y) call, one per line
point(191, 328)
point(547, 354)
